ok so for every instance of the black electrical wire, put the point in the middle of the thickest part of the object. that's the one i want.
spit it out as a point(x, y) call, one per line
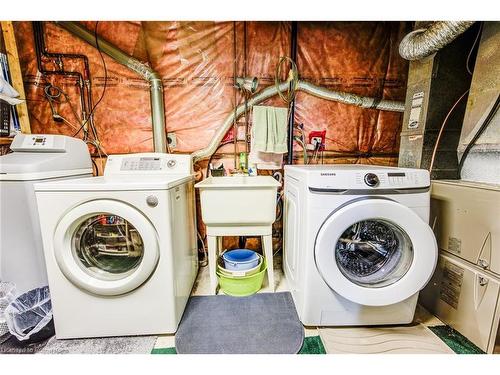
point(469, 70)
point(441, 130)
point(95, 165)
point(443, 124)
point(474, 139)
point(104, 87)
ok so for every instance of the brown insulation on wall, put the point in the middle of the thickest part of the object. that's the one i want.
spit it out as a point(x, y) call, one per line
point(122, 118)
point(360, 58)
point(195, 60)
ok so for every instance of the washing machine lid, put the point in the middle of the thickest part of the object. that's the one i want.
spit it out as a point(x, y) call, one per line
point(43, 156)
point(106, 247)
point(375, 251)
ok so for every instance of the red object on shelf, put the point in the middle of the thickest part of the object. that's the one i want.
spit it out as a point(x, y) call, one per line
point(318, 134)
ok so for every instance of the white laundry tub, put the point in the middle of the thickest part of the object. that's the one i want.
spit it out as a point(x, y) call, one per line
point(238, 201)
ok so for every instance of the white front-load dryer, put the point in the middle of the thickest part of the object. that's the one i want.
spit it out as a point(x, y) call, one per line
point(357, 246)
point(121, 249)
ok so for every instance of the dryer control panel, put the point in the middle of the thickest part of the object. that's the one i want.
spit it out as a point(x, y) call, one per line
point(148, 164)
point(145, 163)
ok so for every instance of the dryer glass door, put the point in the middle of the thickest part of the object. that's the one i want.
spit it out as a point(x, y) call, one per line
point(375, 252)
point(106, 247)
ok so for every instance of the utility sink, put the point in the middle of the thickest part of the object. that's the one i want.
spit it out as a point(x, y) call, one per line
point(238, 201)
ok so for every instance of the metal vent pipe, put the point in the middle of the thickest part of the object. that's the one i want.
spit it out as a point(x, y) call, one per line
point(145, 71)
point(320, 92)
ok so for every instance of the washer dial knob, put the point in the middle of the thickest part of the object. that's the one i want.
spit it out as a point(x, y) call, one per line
point(371, 179)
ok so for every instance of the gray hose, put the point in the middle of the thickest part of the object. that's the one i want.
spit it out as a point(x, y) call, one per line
point(320, 92)
point(424, 42)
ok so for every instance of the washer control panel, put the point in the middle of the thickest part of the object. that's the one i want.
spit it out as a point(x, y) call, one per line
point(371, 179)
point(148, 164)
point(397, 178)
point(342, 178)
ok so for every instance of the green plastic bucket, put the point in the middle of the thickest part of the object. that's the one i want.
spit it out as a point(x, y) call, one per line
point(252, 271)
point(242, 286)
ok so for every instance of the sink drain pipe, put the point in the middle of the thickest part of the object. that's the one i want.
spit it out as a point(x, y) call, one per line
point(146, 72)
point(320, 92)
point(424, 42)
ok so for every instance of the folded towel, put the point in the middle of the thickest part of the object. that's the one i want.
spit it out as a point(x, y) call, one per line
point(269, 129)
point(269, 137)
point(265, 160)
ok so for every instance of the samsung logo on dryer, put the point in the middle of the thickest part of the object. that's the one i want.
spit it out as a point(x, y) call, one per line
point(327, 174)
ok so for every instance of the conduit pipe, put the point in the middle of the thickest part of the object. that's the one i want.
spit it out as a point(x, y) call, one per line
point(424, 42)
point(146, 72)
point(320, 92)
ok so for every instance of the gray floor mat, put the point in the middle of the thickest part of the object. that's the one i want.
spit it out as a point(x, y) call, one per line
point(105, 345)
point(261, 323)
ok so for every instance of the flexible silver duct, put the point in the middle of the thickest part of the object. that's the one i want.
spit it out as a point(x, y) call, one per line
point(424, 42)
point(146, 72)
point(353, 99)
point(320, 92)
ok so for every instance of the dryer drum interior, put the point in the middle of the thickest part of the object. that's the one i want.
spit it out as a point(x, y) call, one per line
point(107, 244)
point(374, 253)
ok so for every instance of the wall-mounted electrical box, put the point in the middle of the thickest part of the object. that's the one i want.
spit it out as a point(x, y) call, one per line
point(316, 137)
point(172, 140)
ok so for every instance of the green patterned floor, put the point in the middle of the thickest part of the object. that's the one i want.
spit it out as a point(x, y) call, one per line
point(457, 342)
point(164, 351)
point(311, 345)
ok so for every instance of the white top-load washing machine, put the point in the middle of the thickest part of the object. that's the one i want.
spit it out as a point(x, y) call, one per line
point(357, 247)
point(121, 249)
point(34, 158)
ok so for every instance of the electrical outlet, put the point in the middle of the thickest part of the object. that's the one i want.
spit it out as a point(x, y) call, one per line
point(315, 141)
point(316, 137)
point(172, 140)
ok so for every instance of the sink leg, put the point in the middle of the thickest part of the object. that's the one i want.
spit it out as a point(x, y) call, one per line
point(267, 245)
point(212, 262)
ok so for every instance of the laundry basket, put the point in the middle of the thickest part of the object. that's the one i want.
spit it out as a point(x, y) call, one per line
point(241, 286)
point(7, 293)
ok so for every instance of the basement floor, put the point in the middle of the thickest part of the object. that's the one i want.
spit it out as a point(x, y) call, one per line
point(426, 335)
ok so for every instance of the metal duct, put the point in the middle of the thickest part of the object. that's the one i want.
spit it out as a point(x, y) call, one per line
point(146, 72)
point(424, 42)
point(320, 92)
point(352, 99)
